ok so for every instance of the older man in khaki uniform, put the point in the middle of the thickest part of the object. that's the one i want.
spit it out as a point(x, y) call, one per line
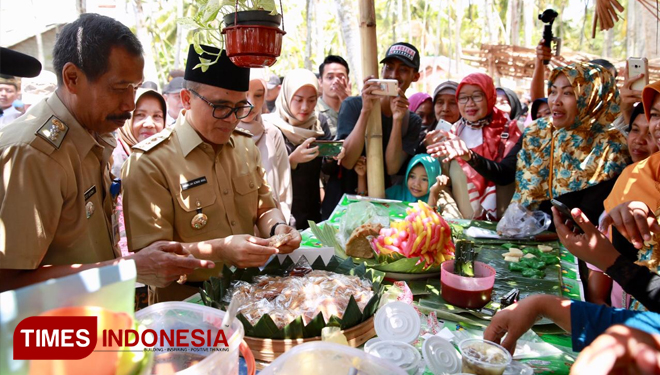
point(201, 183)
point(55, 201)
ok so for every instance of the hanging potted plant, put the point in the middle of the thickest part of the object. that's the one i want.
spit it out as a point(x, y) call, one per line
point(247, 29)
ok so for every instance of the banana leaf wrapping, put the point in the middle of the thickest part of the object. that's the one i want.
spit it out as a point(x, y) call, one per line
point(326, 234)
point(215, 289)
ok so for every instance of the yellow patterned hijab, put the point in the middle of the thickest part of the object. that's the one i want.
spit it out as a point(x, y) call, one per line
point(553, 162)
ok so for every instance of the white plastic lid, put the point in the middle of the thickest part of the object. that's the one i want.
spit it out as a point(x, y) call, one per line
point(401, 354)
point(518, 368)
point(397, 321)
point(441, 356)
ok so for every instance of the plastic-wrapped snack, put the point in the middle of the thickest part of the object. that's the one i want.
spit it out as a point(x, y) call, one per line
point(286, 298)
point(240, 288)
point(255, 310)
point(300, 268)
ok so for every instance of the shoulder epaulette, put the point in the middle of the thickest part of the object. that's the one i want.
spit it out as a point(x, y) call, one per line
point(153, 141)
point(53, 131)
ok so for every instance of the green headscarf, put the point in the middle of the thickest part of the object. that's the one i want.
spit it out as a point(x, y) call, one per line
point(401, 192)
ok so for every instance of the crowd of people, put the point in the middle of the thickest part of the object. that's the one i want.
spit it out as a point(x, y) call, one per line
point(203, 173)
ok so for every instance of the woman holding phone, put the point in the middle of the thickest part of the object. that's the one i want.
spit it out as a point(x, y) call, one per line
point(573, 156)
point(297, 120)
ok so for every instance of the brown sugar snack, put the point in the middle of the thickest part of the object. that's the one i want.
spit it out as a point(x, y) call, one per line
point(280, 239)
point(358, 245)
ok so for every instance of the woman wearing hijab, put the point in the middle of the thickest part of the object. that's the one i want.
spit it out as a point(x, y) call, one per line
point(540, 109)
point(422, 104)
point(444, 102)
point(573, 156)
point(486, 131)
point(508, 102)
point(297, 120)
point(635, 269)
point(269, 140)
point(147, 119)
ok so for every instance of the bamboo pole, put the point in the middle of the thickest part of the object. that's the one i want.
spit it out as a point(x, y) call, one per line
point(374, 135)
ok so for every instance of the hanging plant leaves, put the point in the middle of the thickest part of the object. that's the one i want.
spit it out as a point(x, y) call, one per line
point(215, 289)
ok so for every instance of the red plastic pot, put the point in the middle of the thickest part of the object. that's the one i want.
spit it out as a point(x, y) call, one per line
point(253, 46)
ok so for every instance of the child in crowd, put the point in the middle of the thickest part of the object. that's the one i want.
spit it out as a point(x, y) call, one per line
point(421, 172)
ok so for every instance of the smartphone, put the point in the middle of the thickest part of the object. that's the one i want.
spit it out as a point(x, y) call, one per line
point(328, 148)
point(443, 125)
point(636, 66)
point(388, 87)
point(566, 215)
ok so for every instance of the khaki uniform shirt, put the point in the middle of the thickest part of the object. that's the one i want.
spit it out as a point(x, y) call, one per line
point(330, 114)
point(174, 176)
point(55, 203)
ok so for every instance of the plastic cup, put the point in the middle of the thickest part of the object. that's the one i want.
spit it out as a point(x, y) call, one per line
point(483, 357)
point(467, 292)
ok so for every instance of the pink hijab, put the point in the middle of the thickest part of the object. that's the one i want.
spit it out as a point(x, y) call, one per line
point(417, 99)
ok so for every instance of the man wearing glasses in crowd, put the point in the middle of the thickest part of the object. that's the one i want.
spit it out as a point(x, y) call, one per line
point(201, 183)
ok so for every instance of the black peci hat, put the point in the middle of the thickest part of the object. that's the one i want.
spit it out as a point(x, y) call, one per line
point(223, 73)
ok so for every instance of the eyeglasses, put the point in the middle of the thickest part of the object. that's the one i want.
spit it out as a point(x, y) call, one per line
point(221, 112)
point(477, 97)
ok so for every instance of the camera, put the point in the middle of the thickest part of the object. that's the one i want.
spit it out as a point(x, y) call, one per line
point(548, 17)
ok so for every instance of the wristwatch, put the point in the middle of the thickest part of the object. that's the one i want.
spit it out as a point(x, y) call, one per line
point(272, 229)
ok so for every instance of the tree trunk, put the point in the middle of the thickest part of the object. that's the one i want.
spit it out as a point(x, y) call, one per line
point(508, 22)
point(459, 21)
point(515, 22)
point(408, 21)
point(528, 21)
point(651, 35)
point(143, 34)
point(179, 35)
point(308, 40)
point(348, 18)
point(374, 134)
point(631, 29)
point(607, 43)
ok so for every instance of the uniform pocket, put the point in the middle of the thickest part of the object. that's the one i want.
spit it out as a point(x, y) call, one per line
point(202, 198)
point(246, 196)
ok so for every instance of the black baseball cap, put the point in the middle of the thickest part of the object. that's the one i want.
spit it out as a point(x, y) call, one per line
point(404, 52)
point(18, 64)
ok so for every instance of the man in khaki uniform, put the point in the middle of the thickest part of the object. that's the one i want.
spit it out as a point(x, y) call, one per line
point(202, 182)
point(55, 201)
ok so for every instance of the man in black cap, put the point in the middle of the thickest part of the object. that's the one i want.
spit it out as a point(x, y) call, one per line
point(171, 92)
point(56, 207)
point(201, 183)
point(401, 128)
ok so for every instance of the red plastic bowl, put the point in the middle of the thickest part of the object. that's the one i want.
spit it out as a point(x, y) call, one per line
point(253, 46)
point(467, 292)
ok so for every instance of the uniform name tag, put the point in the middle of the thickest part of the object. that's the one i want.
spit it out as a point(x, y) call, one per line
point(91, 191)
point(192, 183)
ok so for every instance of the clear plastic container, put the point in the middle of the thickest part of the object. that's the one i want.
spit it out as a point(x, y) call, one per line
point(467, 292)
point(483, 357)
point(191, 360)
point(322, 358)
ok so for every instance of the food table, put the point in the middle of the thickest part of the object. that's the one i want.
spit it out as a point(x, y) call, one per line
point(563, 279)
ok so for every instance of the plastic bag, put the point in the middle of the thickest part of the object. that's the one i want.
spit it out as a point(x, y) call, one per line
point(361, 213)
point(518, 221)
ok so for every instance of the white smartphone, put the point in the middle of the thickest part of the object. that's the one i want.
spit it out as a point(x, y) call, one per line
point(443, 125)
point(636, 66)
point(388, 87)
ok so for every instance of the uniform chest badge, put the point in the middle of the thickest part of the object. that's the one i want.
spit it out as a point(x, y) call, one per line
point(200, 219)
point(89, 209)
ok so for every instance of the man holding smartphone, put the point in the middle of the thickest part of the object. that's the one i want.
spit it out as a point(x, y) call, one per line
point(401, 128)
